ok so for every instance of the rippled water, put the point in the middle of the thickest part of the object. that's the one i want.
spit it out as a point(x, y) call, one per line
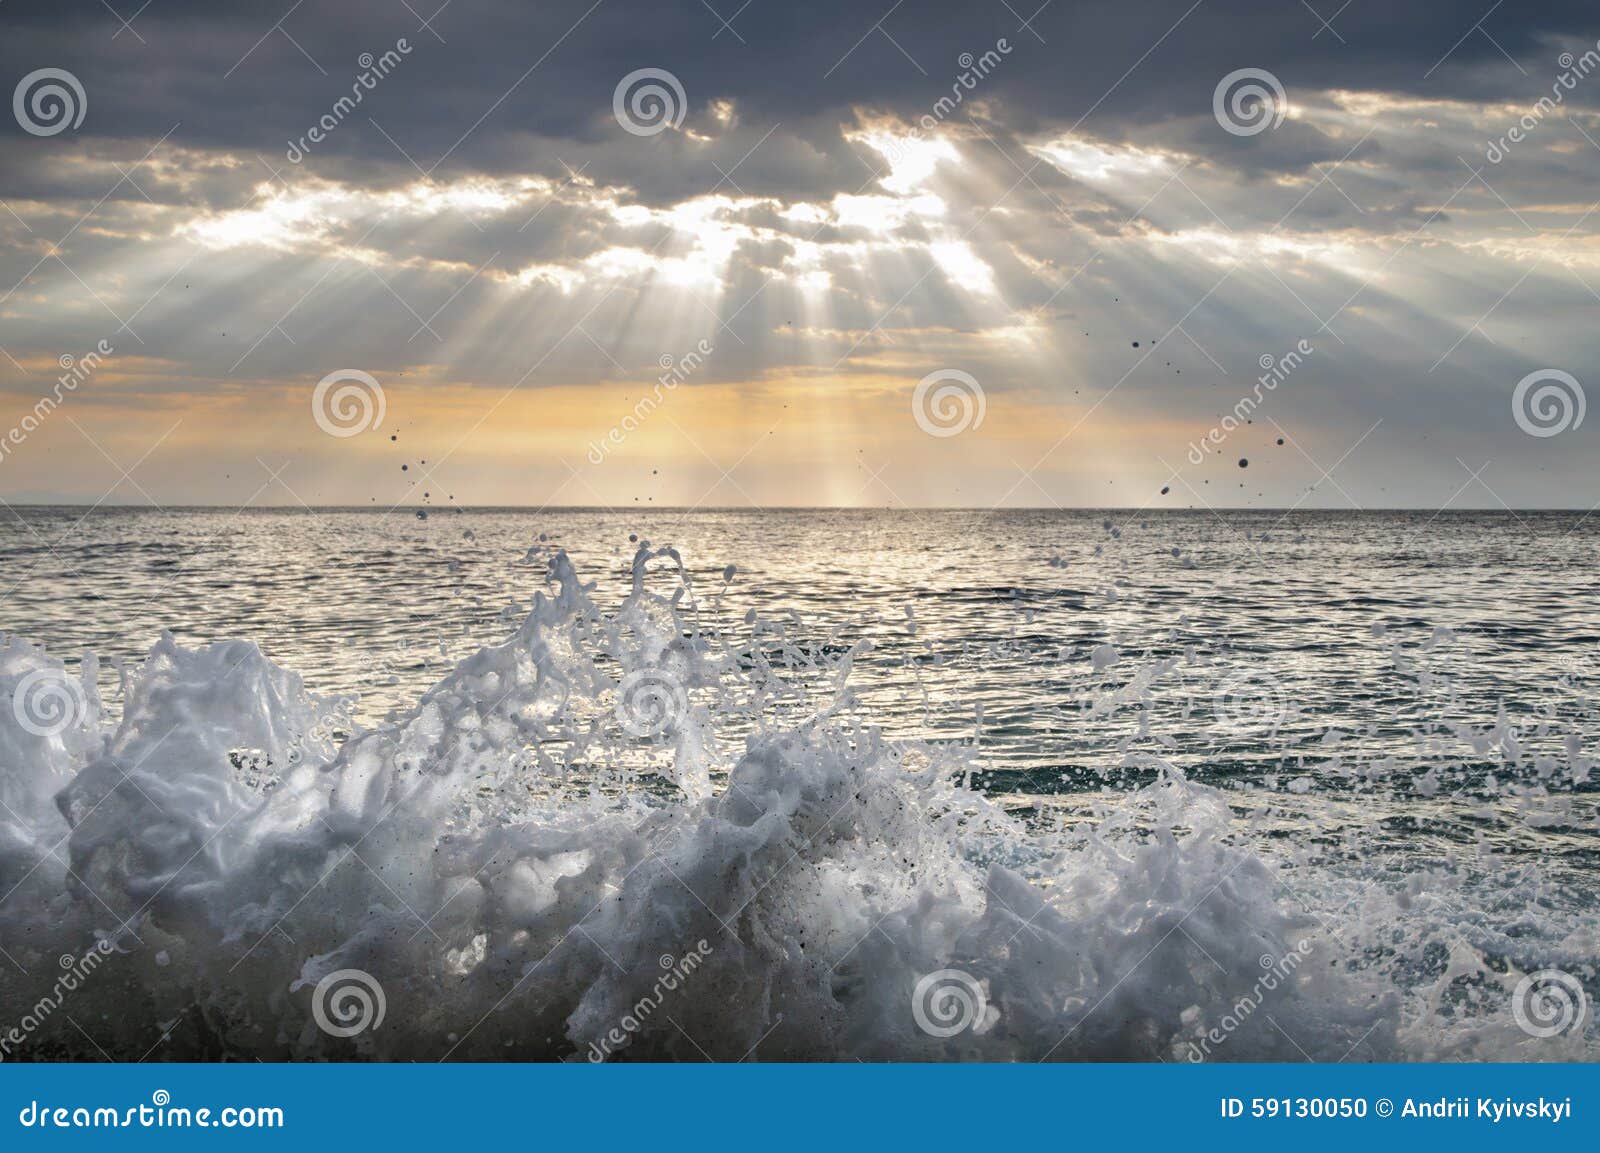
point(1407, 704)
point(1376, 626)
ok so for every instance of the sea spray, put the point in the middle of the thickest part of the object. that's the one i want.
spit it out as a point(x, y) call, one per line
point(503, 866)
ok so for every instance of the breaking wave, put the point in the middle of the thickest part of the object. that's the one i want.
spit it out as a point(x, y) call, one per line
point(626, 834)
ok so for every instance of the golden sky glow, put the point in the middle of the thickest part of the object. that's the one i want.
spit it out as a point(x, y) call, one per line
point(1110, 299)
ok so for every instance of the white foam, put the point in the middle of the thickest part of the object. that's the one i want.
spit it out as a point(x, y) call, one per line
point(565, 818)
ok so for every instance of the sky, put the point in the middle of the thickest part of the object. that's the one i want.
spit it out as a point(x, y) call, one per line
point(997, 253)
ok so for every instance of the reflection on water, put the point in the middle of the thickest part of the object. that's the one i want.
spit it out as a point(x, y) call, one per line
point(1284, 646)
point(1399, 711)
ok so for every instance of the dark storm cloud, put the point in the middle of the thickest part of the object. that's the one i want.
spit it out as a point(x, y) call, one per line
point(507, 76)
point(1084, 198)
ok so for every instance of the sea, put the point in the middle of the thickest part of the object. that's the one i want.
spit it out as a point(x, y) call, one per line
point(800, 784)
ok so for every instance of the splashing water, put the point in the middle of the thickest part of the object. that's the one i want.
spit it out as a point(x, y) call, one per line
point(633, 833)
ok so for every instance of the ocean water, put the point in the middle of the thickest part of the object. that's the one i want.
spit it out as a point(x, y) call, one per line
point(585, 784)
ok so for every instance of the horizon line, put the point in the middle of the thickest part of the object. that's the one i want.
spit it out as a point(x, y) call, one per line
point(1502, 510)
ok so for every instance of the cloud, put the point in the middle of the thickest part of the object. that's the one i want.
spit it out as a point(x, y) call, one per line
point(843, 200)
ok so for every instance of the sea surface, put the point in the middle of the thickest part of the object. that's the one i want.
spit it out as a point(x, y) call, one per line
point(1394, 717)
